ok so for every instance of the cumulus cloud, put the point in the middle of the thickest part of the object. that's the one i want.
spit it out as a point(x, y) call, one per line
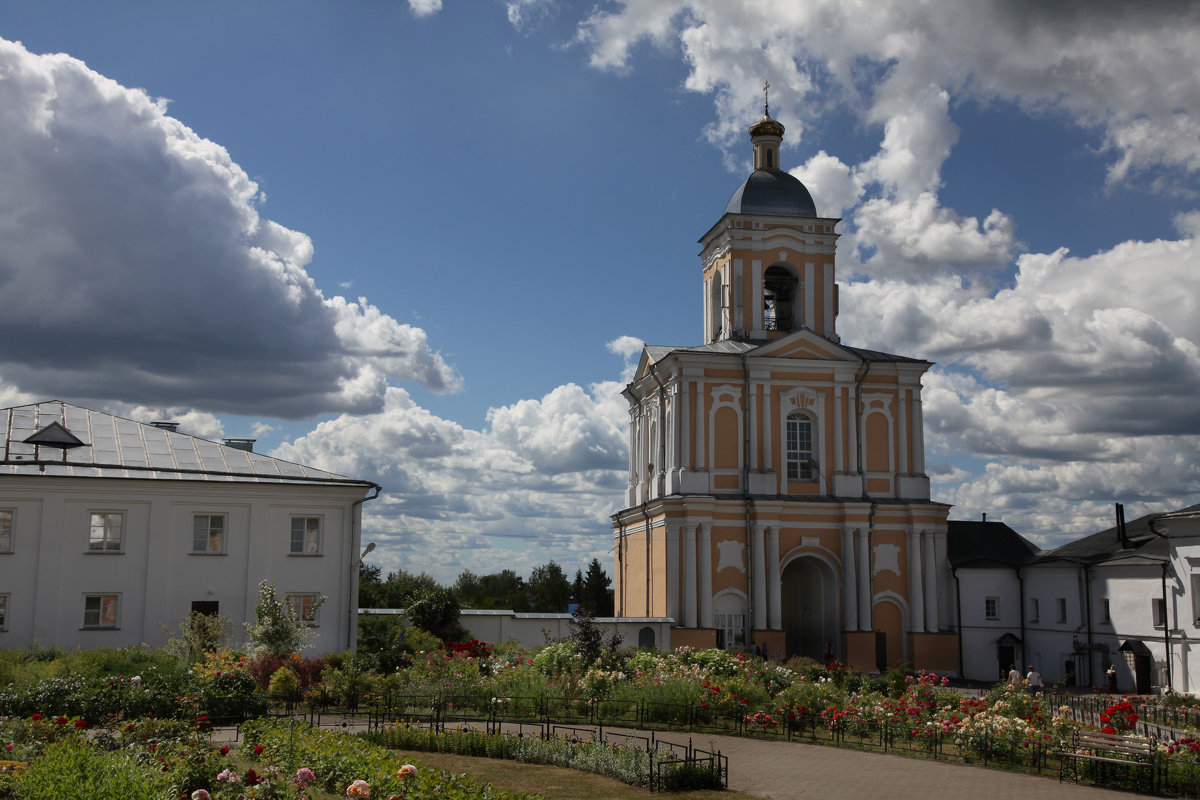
point(144, 267)
point(425, 8)
point(545, 476)
point(1063, 381)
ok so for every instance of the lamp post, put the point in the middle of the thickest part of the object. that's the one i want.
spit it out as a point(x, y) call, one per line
point(350, 604)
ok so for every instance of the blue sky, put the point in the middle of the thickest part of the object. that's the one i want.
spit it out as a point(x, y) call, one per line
point(515, 189)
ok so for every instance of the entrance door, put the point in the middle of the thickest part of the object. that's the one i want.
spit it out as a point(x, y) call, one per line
point(1006, 658)
point(810, 602)
point(1143, 673)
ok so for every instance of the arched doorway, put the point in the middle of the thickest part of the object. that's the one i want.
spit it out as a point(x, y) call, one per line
point(809, 599)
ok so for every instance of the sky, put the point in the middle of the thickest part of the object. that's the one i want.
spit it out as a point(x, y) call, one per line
point(421, 242)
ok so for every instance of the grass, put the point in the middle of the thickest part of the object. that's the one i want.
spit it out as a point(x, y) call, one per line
point(554, 783)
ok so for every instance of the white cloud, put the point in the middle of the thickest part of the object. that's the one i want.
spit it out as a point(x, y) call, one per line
point(145, 269)
point(539, 483)
point(425, 8)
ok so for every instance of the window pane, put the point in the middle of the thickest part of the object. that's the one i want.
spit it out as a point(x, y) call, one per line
point(6, 521)
point(3, 611)
point(91, 611)
point(306, 535)
point(105, 531)
point(208, 533)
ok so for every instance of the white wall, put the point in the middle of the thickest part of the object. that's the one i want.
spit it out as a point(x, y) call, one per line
point(155, 574)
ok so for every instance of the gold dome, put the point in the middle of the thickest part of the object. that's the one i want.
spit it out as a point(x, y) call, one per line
point(766, 127)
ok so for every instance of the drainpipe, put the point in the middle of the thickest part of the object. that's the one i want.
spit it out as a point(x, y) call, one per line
point(962, 672)
point(1021, 596)
point(751, 578)
point(355, 541)
point(1166, 565)
point(1087, 593)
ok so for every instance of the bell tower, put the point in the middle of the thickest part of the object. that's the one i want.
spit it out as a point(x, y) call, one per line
point(768, 262)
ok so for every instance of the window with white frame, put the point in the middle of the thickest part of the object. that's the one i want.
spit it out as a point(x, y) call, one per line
point(304, 607)
point(4, 612)
point(1061, 602)
point(1034, 609)
point(101, 610)
point(6, 530)
point(1105, 611)
point(104, 531)
point(991, 607)
point(208, 533)
point(306, 536)
point(1196, 597)
point(731, 630)
point(1158, 612)
point(799, 447)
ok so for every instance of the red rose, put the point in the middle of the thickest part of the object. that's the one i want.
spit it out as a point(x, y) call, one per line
point(60, 721)
point(224, 749)
point(79, 723)
point(258, 748)
point(36, 717)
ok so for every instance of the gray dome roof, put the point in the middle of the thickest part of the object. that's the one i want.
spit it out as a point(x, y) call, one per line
point(772, 192)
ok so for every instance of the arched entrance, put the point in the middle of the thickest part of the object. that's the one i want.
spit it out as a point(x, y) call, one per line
point(809, 596)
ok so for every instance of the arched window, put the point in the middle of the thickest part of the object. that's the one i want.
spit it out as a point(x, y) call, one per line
point(779, 299)
point(770, 158)
point(801, 466)
point(646, 638)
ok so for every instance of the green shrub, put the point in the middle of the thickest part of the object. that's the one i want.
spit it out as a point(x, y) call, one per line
point(73, 770)
point(285, 683)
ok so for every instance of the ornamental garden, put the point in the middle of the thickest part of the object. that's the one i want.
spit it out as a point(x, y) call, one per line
point(139, 723)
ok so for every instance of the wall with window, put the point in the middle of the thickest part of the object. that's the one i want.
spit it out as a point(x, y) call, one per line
point(109, 562)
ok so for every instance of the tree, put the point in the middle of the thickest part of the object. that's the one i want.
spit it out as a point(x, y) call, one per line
point(549, 589)
point(595, 597)
point(276, 630)
point(435, 610)
point(370, 587)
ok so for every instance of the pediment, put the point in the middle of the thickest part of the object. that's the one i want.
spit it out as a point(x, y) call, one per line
point(806, 345)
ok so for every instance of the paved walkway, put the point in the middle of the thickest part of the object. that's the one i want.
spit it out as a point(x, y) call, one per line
point(789, 770)
point(794, 771)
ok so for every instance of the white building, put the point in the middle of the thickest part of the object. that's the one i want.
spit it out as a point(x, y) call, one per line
point(111, 530)
point(1128, 596)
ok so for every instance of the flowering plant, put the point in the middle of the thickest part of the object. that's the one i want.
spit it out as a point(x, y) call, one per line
point(360, 789)
point(1119, 718)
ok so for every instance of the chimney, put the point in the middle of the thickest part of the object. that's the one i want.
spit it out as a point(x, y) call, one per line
point(238, 443)
point(173, 427)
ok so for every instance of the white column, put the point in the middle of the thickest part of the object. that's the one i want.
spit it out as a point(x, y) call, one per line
point(849, 581)
point(864, 580)
point(852, 445)
point(766, 427)
point(759, 551)
point(838, 392)
point(673, 571)
point(701, 422)
point(931, 581)
point(750, 419)
point(689, 577)
point(685, 422)
point(902, 426)
point(704, 529)
point(918, 424)
point(916, 589)
point(773, 577)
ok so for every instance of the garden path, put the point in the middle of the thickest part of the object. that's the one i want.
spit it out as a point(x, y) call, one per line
point(794, 771)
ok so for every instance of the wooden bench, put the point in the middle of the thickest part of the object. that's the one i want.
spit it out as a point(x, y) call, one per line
point(1126, 752)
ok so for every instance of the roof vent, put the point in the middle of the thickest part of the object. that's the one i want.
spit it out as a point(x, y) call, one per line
point(173, 427)
point(240, 444)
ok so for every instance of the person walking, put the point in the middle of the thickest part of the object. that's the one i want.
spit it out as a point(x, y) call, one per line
point(1014, 677)
point(1035, 682)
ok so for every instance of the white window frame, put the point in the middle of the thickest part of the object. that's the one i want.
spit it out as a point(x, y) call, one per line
point(1158, 612)
point(100, 600)
point(107, 541)
point(305, 607)
point(1196, 598)
point(1035, 610)
point(991, 608)
point(206, 548)
point(302, 546)
point(4, 600)
point(1062, 610)
point(8, 520)
point(1105, 611)
point(800, 460)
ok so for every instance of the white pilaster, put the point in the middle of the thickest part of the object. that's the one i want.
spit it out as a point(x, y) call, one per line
point(902, 426)
point(864, 580)
point(849, 581)
point(689, 576)
point(852, 445)
point(918, 424)
point(704, 529)
point(773, 577)
point(760, 575)
point(916, 589)
point(673, 532)
point(838, 394)
point(931, 581)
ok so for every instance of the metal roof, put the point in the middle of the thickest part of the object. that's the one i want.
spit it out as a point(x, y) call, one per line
point(114, 447)
point(772, 192)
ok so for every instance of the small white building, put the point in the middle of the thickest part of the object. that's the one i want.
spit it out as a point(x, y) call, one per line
point(112, 530)
point(1126, 597)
